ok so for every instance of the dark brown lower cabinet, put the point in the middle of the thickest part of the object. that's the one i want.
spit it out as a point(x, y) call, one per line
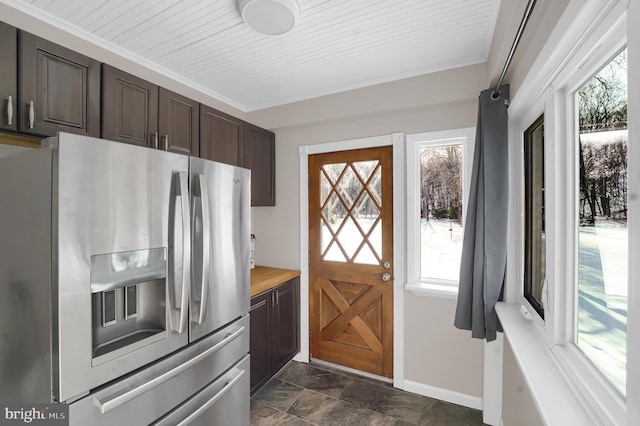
point(275, 336)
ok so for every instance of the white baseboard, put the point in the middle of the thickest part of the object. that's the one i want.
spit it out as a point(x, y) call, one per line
point(300, 358)
point(444, 394)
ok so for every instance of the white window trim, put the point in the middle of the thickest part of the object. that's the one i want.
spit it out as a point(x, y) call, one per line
point(586, 34)
point(431, 287)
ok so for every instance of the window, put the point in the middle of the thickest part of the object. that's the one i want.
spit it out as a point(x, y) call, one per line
point(583, 236)
point(602, 220)
point(534, 230)
point(437, 171)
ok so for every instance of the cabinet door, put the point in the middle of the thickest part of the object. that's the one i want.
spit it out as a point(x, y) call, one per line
point(9, 79)
point(259, 155)
point(179, 119)
point(260, 346)
point(63, 85)
point(129, 108)
point(285, 332)
point(220, 136)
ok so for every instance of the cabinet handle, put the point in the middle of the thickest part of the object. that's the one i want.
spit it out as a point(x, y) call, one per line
point(10, 111)
point(166, 142)
point(32, 114)
point(155, 140)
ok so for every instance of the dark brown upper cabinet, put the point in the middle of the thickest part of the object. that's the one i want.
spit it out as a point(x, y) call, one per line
point(8, 77)
point(59, 89)
point(221, 136)
point(129, 108)
point(259, 155)
point(179, 123)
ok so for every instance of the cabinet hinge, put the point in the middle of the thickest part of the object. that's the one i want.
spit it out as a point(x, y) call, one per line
point(309, 334)
point(309, 253)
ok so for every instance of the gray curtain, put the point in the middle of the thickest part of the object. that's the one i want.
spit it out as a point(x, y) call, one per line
point(484, 250)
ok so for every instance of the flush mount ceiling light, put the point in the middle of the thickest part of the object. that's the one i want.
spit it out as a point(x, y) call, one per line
point(272, 17)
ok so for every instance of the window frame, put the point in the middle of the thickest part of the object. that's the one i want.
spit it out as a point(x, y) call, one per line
point(414, 144)
point(556, 99)
point(537, 306)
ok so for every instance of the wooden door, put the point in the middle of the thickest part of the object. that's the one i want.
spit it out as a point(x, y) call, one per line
point(59, 89)
point(9, 79)
point(179, 119)
point(129, 108)
point(220, 136)
point(258, 155)
point(351, 259)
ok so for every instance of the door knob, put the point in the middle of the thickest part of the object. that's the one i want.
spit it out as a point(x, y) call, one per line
point(386, 277)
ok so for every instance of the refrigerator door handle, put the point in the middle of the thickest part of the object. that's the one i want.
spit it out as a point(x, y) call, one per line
point(182, 191)
point(202, 192)
point(120, 398)
point(230, 383)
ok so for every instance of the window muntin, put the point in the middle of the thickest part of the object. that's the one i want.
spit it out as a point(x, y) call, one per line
point(601, 210)
point(534, 216)
point(351, 203)
point(441, 214)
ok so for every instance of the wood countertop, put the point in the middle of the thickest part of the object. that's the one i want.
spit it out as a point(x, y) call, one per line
point(264, 278)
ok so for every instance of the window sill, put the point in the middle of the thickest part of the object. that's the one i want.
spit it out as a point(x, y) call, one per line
point(552, 395)
point(432, 290)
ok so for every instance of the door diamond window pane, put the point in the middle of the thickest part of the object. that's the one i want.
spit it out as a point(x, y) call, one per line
point(350, 237)
point(365, 168)
point(375, 186)
point(333, 171)
point(325, 237)
point(349, 187)
point(366, 212)
point(375, 239)
point(334, 253)
point(334, 212)
point(325, 188)
point(366, 256)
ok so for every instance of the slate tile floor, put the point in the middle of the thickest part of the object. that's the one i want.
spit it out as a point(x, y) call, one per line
point(309, 394)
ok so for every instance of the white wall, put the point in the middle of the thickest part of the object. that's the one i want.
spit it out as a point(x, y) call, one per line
point(518, 406)
point(542, 21)
point(438, 101)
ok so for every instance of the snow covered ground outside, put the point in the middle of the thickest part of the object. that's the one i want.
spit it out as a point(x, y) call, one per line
point(440, 249)
point(602, 297)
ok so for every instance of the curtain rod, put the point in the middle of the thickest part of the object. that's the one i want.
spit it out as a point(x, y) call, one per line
point(516, 40)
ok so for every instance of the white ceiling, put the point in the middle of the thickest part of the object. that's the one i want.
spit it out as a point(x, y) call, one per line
point(336, 45)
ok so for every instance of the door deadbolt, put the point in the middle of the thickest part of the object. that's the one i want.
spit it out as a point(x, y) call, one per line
point(386, 265)
point(386, 277)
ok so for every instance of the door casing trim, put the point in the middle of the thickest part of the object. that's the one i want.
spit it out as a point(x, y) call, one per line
point(397, 141)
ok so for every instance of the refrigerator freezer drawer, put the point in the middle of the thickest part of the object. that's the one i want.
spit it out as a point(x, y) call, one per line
point(152, 392)
point(212, 405)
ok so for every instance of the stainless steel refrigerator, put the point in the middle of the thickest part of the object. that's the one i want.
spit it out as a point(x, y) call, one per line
point(124, 284)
